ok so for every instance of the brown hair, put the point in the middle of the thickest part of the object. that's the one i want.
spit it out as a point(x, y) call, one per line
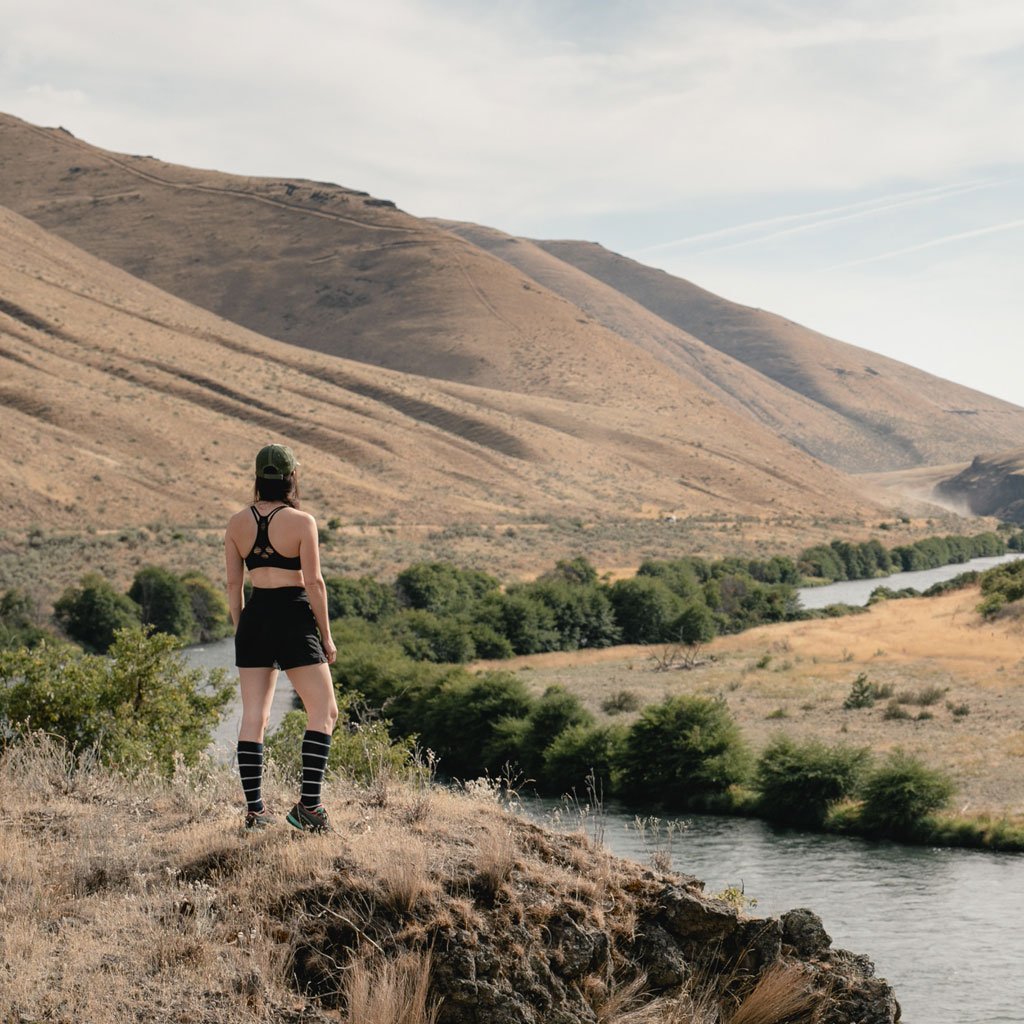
point(286, 489)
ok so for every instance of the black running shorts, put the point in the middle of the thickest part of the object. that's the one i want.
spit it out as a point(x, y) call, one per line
point(277, 629)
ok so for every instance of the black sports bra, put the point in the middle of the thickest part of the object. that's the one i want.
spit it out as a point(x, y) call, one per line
point(262, 554)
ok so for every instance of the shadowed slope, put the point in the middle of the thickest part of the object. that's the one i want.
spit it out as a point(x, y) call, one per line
point(133, 405)
point(811, 426)
point(992, 485)
point(902, 416)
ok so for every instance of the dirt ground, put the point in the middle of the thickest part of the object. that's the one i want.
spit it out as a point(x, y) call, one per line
point(792, 679)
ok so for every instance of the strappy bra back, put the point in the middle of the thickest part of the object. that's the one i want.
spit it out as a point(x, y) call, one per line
point(263, 554)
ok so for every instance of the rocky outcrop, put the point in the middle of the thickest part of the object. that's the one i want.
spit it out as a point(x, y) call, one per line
point(541, 951)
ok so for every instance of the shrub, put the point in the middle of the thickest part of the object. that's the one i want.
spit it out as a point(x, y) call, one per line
point(429, 637)
point(685, 750)
point(901, 793)
point(924, 697)
point(555, 711)
point(209, 608)
point(163, 601)
point(441, 587)
point(620, 701)
point(363, 598)
point(93, 612)
point(645, 609)
point(863, 693)
point(362, 750)
point(581, 752)
point(798, 782)
point(695, 624)
point(528, 624)
point(140, 706)
point(459, 719)
point(582, 612)
point(19, 625)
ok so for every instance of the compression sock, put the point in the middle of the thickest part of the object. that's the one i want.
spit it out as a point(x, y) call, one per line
point(250, 770)
point(315, 748)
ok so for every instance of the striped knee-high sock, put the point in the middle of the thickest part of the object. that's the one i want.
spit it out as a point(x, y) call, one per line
point(315, 748)
point(250, 770)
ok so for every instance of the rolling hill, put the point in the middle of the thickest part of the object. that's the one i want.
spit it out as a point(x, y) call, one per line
point(126, 405)
point(992, 485)
point(337, 271)
point(901, 417)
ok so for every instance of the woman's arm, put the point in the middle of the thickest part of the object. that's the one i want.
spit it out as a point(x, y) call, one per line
point(309, 558)
point(235, 572)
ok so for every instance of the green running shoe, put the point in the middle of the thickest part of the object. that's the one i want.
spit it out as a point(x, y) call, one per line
point(257, 820)
point(309, 819)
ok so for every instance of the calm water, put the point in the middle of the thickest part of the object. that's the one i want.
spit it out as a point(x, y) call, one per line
point(942, 926)
point(858, 591)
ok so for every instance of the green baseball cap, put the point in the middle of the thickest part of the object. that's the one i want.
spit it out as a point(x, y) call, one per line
point(275, 462)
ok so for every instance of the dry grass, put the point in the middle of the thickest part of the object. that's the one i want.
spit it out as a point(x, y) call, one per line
point(782, 995)
point(384, 991)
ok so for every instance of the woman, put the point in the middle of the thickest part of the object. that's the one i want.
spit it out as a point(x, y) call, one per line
point(283, 626)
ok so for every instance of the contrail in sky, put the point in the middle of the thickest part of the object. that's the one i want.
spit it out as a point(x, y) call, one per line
point(850, 211)
point(992, 229)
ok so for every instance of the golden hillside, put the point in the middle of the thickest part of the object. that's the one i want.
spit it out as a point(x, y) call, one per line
point(134, 406)
point(896, 416)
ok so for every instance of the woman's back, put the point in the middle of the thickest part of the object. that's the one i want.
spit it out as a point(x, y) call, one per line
point(268, 538)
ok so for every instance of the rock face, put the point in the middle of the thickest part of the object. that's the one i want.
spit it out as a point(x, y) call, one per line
point(538, 952)
point(991, 485)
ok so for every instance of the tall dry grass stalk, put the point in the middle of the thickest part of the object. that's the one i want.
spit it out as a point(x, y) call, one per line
point(384, 991)
point(781, 996)
point(496, 859)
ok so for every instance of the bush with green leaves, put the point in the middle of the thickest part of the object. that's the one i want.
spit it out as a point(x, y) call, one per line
point(20, 621)
point(1001, 586)
point(584, 753)
point(164, 602)
point(646, 609)
point(524, 740)
point(442, 588)
point(429, 637)
point(798, 782)
point(582, 613)
point(459, 720)
point(362, 748)
point(900, 794)
point(364, 598)
point(140, 706)
point(685, 751)
point(528, 624)
point(209, 608)
point(93, 612)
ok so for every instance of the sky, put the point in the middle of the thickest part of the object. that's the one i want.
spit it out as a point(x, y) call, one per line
point(855, 165)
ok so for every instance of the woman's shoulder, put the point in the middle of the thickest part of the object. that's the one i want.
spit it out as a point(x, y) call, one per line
point(240, 516)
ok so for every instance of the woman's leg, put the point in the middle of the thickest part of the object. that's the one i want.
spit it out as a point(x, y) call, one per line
point(257, 686)
point(316, 691)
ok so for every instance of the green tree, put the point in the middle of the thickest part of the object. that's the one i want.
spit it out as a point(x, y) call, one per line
point(163, 601)
point(645, 609)
point(442, 588)
point(580, 752)
point(140, 706)
point(209, 608)
point(364, 598)
point(798, 782)
point(19, 621)
point(684, 751)
point(528, 624)
point(93, 612)
point(901, 793)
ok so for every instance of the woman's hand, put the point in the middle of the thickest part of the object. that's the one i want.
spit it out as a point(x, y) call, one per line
point(330, 650)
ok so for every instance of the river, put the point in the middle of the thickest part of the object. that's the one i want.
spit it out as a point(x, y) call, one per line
point(943, 926)
point(857, 592)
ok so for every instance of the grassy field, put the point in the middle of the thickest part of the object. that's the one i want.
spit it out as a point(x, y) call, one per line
point(958, 680)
